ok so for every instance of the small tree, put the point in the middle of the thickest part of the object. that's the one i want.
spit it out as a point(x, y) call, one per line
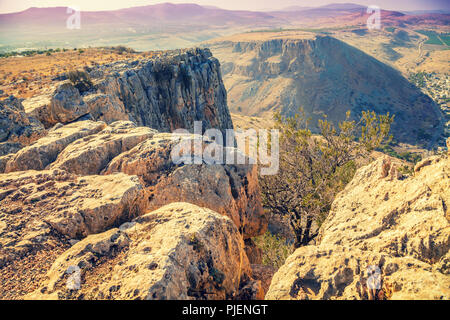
point(314, 168)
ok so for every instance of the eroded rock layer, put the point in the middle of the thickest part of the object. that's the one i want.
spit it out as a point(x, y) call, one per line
point(202, 257)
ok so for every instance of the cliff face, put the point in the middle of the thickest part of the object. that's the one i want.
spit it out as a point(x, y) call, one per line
point(386, 237)
point(166, 92)
point(324, 76)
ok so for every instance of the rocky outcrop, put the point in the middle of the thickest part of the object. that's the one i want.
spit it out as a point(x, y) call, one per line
point(282, 72)
point(45, 211)
point(8, 147)
point(165, 92)
point(88, 148)
point(106, 107)
point(74, 200)
point(92, 154)
point(73, 206)
point(7, 150)
point(202, 257)
point(63, 105)
point(386, 237)
point(16, 126)
point(231, 190)
point(44, 151)
point(41, 212)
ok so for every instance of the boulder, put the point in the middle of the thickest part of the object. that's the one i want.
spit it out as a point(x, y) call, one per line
point(63, 105)
point(16, 125)
point(106, 107)
point(232, 190)
point(202, 257)
point(92, 154)
point(44, 151)
point(383, 228)
point(4, 160)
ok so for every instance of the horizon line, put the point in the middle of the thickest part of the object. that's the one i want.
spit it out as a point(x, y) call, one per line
point(220, 8)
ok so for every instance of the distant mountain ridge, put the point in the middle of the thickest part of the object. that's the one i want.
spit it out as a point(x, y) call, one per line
point(281, 72)
point(169, 26)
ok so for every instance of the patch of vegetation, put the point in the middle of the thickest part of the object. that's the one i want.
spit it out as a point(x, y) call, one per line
point(80, 80)
point(445, 38)
point(435, 38)
point(320, 30)
point(407, 156)
point(27, 53)
point(121, 49)
point(418, 79)
point(313, 169)
point(275, 249)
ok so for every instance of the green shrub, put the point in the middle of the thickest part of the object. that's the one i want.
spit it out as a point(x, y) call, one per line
point(275, 249)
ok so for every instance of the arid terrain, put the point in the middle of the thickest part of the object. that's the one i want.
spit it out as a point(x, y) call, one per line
point(98, 200)
point(283, 71)
point(20, 80)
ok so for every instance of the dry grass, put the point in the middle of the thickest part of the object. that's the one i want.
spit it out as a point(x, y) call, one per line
point(25, 77)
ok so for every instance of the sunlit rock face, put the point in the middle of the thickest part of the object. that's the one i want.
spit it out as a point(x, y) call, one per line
point(386, 237)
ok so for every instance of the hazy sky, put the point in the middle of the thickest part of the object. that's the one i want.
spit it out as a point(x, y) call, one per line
point(87, 5)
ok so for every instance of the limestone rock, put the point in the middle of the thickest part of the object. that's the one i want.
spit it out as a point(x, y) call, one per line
point(106, 107)
point(93, 153)
point(165, 92)
point(9, 147)
point(202, 257)
point(169, 91)
point(16, 125)
point(232, 190)
point(397, 216)
point(264, 274)
point(4, 160)
point(394, 226)
point(339, 272)
point(44, 151)
point(63, 105)
point(36, 204)
point(7, 150)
